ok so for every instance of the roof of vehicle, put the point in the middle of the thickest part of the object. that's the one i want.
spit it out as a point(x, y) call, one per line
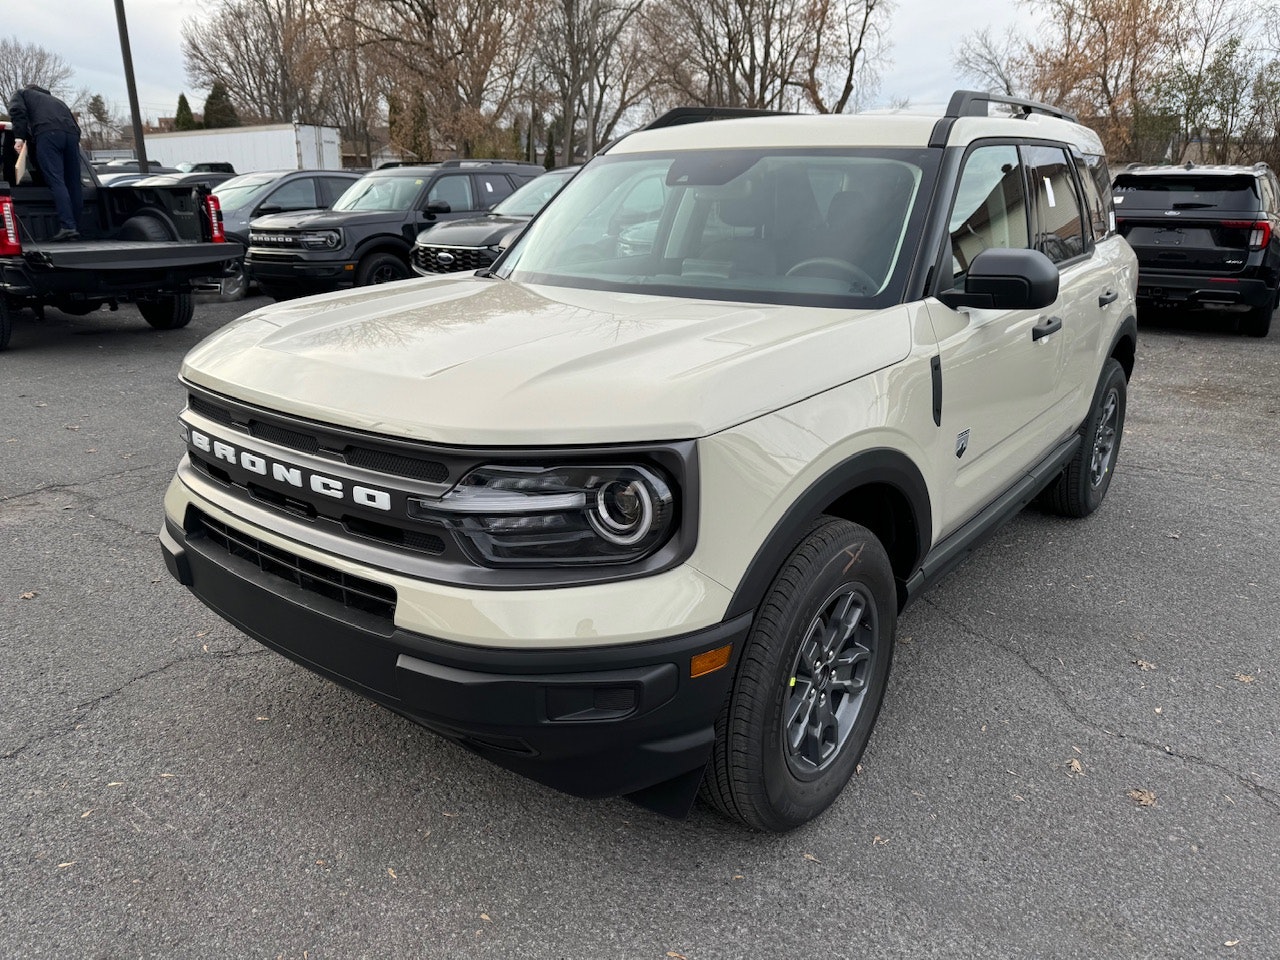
point(964, 120)
point(404, 169)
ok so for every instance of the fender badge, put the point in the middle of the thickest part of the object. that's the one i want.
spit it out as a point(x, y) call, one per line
point(962, 443)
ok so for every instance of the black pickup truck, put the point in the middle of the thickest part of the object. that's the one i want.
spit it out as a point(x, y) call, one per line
point(143, 245)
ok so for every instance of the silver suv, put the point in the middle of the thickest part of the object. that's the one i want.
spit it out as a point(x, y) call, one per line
point(636, 510)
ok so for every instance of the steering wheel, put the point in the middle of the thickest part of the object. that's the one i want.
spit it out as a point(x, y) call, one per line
point(833, 268)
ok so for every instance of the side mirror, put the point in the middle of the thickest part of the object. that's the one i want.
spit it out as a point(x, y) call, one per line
point(268, 208)
point(1006, 279)
point(438, 206)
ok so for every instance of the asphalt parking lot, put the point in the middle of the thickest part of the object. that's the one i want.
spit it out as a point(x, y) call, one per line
point(1077, 757)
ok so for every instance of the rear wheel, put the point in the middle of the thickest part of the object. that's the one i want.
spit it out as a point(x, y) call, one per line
point(1083, 484)
point(6, 322)
point(381, 268)
point(169, 312)
point(235, 286)
point(1257, 322)
point(810, 682)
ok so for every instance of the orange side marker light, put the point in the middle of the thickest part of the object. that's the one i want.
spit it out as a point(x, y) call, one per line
point(711, 661)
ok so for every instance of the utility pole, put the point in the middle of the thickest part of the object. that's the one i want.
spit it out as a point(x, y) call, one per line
point(139, 148)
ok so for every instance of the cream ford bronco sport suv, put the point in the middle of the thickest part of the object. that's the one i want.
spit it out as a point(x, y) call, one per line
point(635, 511)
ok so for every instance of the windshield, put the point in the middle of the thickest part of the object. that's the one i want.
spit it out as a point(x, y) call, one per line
point(238, 191)
point(382, 193)
point(818, 227)
point(533, 196)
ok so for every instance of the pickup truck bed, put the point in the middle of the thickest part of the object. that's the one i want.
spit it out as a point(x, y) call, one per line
point(144, 245)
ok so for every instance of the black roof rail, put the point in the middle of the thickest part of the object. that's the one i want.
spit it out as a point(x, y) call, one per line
point(680, 115)
point(467, 162)
point(972, 103)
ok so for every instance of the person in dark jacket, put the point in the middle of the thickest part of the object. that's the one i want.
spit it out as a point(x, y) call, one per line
point(44, 120)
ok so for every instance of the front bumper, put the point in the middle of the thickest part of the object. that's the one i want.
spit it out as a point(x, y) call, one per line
point(294, 268)
point(621, 719)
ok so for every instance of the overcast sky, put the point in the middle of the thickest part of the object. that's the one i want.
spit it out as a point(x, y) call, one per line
point(924, 34)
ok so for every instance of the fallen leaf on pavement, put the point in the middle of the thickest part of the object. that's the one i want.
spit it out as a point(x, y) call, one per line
point(1074, 766)
point(676, 956)
point(392, 874)
point(1246, 677)
point(1144, 665)
point(1143, 798)
point(29, 595)
point(811, 858)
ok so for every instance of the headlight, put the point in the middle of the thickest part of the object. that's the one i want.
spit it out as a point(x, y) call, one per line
point(322, 239)
point(556, 516)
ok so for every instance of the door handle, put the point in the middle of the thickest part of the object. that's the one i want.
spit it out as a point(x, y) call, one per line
point(1109, 297)
point(1046, 327)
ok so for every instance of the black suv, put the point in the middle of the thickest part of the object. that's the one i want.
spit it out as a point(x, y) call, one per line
point(1206, 236)
point(368, 233)
point(474, 243)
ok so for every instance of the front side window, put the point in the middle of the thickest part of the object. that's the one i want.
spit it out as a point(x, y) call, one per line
point(820, 227)
point(297, 194)
point(1059, 224)
point(454, 189)
point(991, 205)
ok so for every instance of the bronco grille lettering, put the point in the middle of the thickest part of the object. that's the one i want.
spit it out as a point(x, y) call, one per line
point(289, 474)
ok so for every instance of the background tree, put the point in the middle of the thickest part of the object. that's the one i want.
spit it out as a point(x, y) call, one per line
point(183, 119)
point(24, 63)
point(270, 55)
point(99, 126)
point(218, 111)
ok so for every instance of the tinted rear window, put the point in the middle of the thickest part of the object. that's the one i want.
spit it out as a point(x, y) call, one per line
point(1186, 192)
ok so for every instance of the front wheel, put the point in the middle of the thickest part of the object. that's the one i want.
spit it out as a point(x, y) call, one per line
point(1083, 484)
point(169, 312)
point(810, 683)
point(381, 268)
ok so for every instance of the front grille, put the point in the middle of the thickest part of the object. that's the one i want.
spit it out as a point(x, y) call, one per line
point(288, 241)
point(211, 410)
point(437, 259)
point(365, 457)
point(355, 593)
point(432, 471)
point(284, 436)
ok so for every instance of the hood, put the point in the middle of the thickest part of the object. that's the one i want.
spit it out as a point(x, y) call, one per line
point(474, 232)
point(476, 362)
point(323, 219)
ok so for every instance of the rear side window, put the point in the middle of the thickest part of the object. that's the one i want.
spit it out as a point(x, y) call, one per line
point(1097, 193)
point(492, 187)
point(1187, 191)
point(1059, 224)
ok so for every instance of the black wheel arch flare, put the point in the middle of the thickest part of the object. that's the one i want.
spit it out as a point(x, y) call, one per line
point(881, 488)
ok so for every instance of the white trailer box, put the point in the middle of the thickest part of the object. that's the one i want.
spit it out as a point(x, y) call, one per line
point(277, 146)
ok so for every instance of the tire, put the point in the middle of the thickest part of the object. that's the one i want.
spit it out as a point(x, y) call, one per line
point(170, 312)
point(1257, 322)
point(819, 650)
point(381, 268)
point(147, 228)
point(1083, 484)
point(235, 286)
point(280, 291)
point(6, 322)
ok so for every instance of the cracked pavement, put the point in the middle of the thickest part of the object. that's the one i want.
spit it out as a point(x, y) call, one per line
point(172, 788)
